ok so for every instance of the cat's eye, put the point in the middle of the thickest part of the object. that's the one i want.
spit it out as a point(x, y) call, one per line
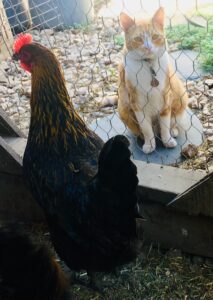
point(156, 37)
point(138, 39)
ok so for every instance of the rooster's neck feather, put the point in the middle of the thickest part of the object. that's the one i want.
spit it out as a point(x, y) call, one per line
point(53, 116)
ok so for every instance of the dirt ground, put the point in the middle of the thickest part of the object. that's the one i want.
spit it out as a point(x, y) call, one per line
point(155, 275)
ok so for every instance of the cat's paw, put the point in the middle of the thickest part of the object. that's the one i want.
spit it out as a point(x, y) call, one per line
point(170, 143)
point(174, 132)
point(148, 148)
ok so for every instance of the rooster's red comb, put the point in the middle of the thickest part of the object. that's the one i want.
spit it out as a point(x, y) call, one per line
point(22, 39)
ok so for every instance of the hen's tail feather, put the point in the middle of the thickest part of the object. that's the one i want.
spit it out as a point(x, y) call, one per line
point(28, 270)
point(115, 169)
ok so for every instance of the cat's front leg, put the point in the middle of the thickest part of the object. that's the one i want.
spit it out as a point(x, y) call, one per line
point(146, 128)
point(167, 139)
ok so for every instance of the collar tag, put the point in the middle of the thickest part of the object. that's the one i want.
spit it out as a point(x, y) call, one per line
point(154, 82)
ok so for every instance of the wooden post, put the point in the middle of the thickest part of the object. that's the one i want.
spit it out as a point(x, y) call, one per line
point(197, 200)
point(184, 221)
point(168, 229)
point(16, 201)
point(6, 37)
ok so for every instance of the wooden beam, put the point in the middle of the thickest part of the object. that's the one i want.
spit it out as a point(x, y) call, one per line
point(6, 37)
point(10, 161)
point(163, 183)
point(8, 127)
point(198, 199)
point(16, 201)
point(18, 144)
point(169, 228)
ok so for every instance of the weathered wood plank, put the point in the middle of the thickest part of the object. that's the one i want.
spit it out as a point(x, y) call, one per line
point(171, 229)
point(198, 199)
point(18, 144)
point(166, 179)
point(16, 202)
point(7, 127)
point(10, 161)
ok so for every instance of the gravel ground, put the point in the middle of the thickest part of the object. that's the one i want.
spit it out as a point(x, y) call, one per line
point(90, 57)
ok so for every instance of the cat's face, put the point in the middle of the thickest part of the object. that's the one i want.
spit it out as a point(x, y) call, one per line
point(145, 38)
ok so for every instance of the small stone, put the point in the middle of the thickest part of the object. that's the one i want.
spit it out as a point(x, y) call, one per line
point(107, 62)
point(207, 125)
point(210, 150)
point(207, 109)
point(200, 88)
point(14, 109)
point(3, 89)
point(210, 139)
point(189, 151)
point(209, 83)
point(209, 94)
point(109, 101)
point(203, 100)
point(16, 117)
point(4, 106)
point(193, 102)
point(200, 153)
point(24, 98)
point(82, 91)
point(190, 84)
point(208, 131)
point(21, 109)
point(94, 52)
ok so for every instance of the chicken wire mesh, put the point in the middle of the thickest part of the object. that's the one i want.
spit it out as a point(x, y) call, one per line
point(87, 38)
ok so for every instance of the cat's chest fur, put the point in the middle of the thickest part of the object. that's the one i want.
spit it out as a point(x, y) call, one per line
point(139, 74)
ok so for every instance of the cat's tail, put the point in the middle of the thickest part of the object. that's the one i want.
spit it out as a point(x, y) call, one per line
point(190, 128)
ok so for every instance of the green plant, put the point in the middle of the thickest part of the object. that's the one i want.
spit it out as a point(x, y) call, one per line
point(119, 40)
point(206, 56)
point(197, 38)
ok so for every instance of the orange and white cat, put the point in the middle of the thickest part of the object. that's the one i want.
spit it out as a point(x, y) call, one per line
point(149, 90)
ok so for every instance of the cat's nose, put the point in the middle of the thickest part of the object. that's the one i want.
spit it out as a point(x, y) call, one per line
point(147, 45)
point(147, 49)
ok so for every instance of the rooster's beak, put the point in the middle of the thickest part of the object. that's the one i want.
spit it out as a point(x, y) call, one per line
point(15, 57)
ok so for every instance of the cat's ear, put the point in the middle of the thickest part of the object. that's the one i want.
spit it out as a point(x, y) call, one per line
point(126, 21)
point(158, 18)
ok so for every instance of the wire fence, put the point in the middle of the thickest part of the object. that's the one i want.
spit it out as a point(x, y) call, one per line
point(88, 37)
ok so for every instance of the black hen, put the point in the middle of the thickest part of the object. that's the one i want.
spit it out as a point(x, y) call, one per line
point(28, 270)
point(89, 200)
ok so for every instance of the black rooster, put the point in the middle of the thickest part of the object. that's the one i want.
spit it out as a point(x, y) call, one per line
point(89, 200)
point(28, 269)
